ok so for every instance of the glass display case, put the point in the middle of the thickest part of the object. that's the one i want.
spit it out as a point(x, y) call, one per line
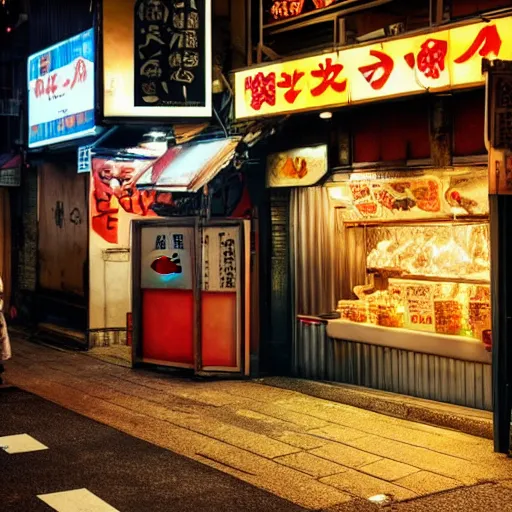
point(416, 256)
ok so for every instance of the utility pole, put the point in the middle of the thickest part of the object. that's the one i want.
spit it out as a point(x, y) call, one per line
point(498, 138)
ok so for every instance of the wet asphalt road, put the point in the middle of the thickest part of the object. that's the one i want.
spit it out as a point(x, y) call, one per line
point(129, 474)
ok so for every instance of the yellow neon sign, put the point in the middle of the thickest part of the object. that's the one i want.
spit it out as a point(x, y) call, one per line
point(436, 61)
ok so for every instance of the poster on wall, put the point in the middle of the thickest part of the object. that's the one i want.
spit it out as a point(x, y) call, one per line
point(166, 257)
point(61, 91)
point(220, 259)
point(157, 58)
point(114, 193)
point(299, 167)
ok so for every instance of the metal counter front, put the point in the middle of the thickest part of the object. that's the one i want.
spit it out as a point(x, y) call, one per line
point(434, 377)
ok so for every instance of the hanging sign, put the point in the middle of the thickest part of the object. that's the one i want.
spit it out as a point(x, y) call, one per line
point(61, 91)
point(435, 61)
point(157, 58)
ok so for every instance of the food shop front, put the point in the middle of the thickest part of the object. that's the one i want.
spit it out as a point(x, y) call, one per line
point(388, 250)
point(411, 259)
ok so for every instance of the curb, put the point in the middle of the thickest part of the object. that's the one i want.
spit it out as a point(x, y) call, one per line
point(470, 421)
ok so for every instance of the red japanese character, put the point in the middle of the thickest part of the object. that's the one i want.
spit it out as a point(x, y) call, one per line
point(39, 87)
point(289, 82)
point(328, 73)
point(263, 89)
point(488, 40)
point(80, 72)
point(385, 65)
point(51, 87)
point(431, 57)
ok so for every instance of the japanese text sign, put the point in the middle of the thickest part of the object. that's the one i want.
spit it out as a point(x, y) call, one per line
point(157, 58)
point(435, 61)
point(61, 91)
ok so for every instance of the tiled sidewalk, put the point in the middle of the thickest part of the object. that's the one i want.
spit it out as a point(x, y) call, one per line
point(315, 453)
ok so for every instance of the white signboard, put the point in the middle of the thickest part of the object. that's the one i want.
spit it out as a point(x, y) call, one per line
point(166, 257)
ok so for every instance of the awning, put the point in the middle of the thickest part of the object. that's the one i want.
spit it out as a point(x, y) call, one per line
point(188, 167)
point(10, 170)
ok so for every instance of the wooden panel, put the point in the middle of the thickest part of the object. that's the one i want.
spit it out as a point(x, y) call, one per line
point(62, 228)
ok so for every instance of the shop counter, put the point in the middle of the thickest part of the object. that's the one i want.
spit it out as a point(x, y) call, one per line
point(454, 347)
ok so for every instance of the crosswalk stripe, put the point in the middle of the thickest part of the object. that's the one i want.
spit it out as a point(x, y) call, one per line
point(77, 500)
point(21, 443)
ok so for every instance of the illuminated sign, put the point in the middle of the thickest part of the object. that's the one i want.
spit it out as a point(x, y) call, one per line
point(435, 61)
point(61, 91)
point(157, 58)
point(299, 167)
point(286, 9)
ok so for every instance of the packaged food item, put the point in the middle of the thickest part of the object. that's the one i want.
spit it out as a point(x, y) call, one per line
point(389, 316)
point(449, 316)
point(353, 310)
point(479, 318)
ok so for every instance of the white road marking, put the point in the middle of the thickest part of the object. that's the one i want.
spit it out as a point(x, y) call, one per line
point(21, 443)
point(78, 500)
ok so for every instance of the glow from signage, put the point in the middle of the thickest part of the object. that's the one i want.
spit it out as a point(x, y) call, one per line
point(436, 61)
point(61, 91)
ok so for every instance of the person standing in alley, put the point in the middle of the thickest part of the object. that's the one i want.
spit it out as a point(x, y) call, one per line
point(5, 345)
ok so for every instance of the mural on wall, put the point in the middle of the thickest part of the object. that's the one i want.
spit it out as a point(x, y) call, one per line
point(113, 191)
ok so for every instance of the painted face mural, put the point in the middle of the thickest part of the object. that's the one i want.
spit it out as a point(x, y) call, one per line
point(113, 192)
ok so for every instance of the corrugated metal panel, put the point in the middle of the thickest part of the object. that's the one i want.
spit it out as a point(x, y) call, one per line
point(400, 371)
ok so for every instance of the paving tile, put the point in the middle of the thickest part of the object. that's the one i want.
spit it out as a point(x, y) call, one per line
point(77, 500)
point(302, 441)
point(21, 443)
point(425, 482)
point(365, 486)
point(446, 465)
point(337, 433)
point(345, 455)
point(271, 476)
point(314, 466)
point(389, 470)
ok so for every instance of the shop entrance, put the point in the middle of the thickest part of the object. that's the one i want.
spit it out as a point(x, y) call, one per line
point(190, 297)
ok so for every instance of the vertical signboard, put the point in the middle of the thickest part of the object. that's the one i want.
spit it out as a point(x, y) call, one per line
point(221, 323)
point(157, 58)
point(61, 91)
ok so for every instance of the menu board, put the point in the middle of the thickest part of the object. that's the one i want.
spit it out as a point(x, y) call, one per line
point(166, 257)
point(221, 259)
point(413, 195)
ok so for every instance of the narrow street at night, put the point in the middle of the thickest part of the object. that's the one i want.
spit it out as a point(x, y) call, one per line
point(146, 441)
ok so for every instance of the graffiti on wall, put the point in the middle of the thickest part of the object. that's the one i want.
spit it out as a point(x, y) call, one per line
point(113, 193)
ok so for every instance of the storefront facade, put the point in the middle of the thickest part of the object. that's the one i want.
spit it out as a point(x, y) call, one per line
point(387, 239)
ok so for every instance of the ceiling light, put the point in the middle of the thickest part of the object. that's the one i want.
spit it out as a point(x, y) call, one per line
point(326, 115)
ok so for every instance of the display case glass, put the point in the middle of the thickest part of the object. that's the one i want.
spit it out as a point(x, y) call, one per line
point(426, 251)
